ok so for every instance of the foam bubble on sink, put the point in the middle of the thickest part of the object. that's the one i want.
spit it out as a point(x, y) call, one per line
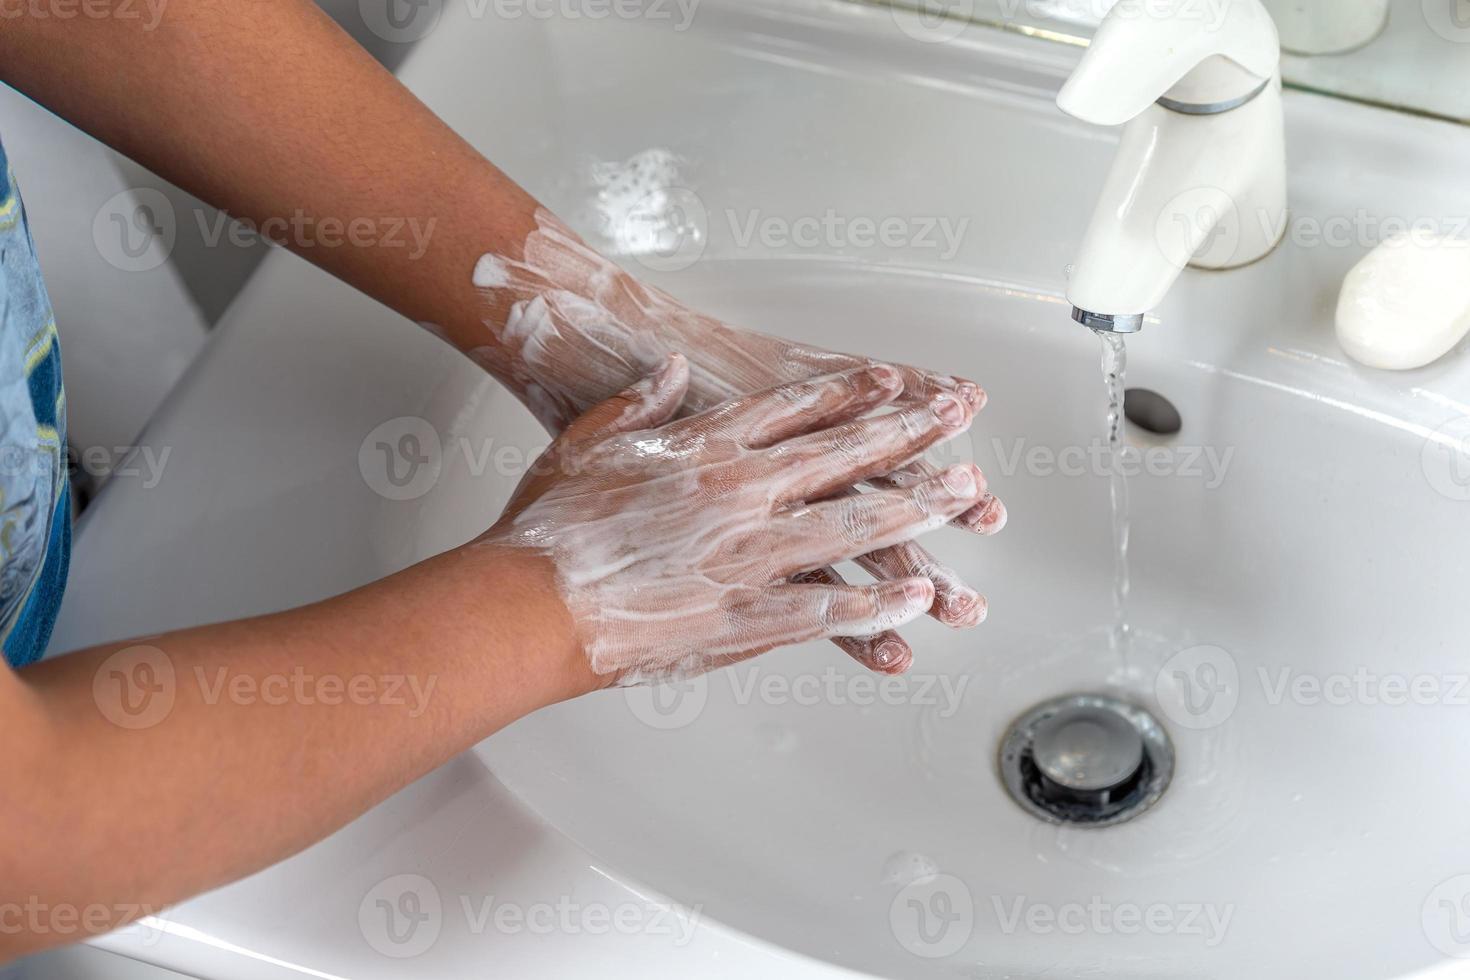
point(781, 739)
point(904, 868)
point(638, 200)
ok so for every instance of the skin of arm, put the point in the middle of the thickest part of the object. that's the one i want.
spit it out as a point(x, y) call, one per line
point(268, 110)
point(95, 815)
point(638, 547)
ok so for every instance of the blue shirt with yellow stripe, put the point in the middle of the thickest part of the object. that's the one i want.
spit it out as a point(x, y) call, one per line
point(35, 502)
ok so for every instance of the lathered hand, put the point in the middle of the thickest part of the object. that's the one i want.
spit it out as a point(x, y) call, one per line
point(675, 542)
point(572, 327)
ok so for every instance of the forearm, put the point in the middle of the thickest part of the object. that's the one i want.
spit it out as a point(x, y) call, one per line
point(250, 740)
point(271, 112)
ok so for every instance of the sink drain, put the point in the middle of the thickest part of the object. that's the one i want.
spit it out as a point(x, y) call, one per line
point(1086, 759)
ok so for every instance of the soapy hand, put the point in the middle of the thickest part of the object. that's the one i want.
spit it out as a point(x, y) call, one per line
point(681, 546)
point(576, 326)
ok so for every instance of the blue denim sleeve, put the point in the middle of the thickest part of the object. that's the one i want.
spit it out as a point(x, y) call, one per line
point(35, 505)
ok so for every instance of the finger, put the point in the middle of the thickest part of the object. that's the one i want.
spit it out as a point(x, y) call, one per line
point(921, 386)
point(856, 524)
point(955, 603)
point(767, 417)
point(645, 404)
point(987, 516)
point(800, 611)
point(885, 652)
point(813, 466)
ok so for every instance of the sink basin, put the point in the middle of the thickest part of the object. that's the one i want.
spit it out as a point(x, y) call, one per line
point(1297, 596)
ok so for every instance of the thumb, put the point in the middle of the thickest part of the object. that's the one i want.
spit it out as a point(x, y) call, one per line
point(645, 404)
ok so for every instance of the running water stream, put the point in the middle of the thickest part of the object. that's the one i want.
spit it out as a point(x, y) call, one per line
point(1114, 369)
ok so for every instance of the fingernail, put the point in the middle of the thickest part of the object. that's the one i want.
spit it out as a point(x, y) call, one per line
point(964, 607)
point(959, 480)
point(885, 376)
point(973, 395)
point(887, 653)
point(948, 410)
point(994, 517)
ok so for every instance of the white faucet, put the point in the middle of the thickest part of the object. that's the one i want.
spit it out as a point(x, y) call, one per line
point(1200, 175)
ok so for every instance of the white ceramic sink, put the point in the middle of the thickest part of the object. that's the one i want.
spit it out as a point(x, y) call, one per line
point(800, 819)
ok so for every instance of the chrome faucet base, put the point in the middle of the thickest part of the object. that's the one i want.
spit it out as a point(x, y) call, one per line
point(1109, 322)
point(1211, 108)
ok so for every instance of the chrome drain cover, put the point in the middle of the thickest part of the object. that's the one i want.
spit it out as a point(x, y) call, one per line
point(1086, 759)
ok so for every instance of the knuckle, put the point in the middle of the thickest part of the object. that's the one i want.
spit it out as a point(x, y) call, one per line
point(917, 509)
point(835, 609)
point(854, 522)
point(849, 446)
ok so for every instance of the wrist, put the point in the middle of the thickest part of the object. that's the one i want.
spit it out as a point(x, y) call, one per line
point(504, 606)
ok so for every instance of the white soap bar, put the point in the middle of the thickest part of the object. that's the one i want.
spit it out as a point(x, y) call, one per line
point(1407, 303)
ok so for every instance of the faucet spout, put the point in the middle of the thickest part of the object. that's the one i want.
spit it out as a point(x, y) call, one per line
point(1200, 174)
